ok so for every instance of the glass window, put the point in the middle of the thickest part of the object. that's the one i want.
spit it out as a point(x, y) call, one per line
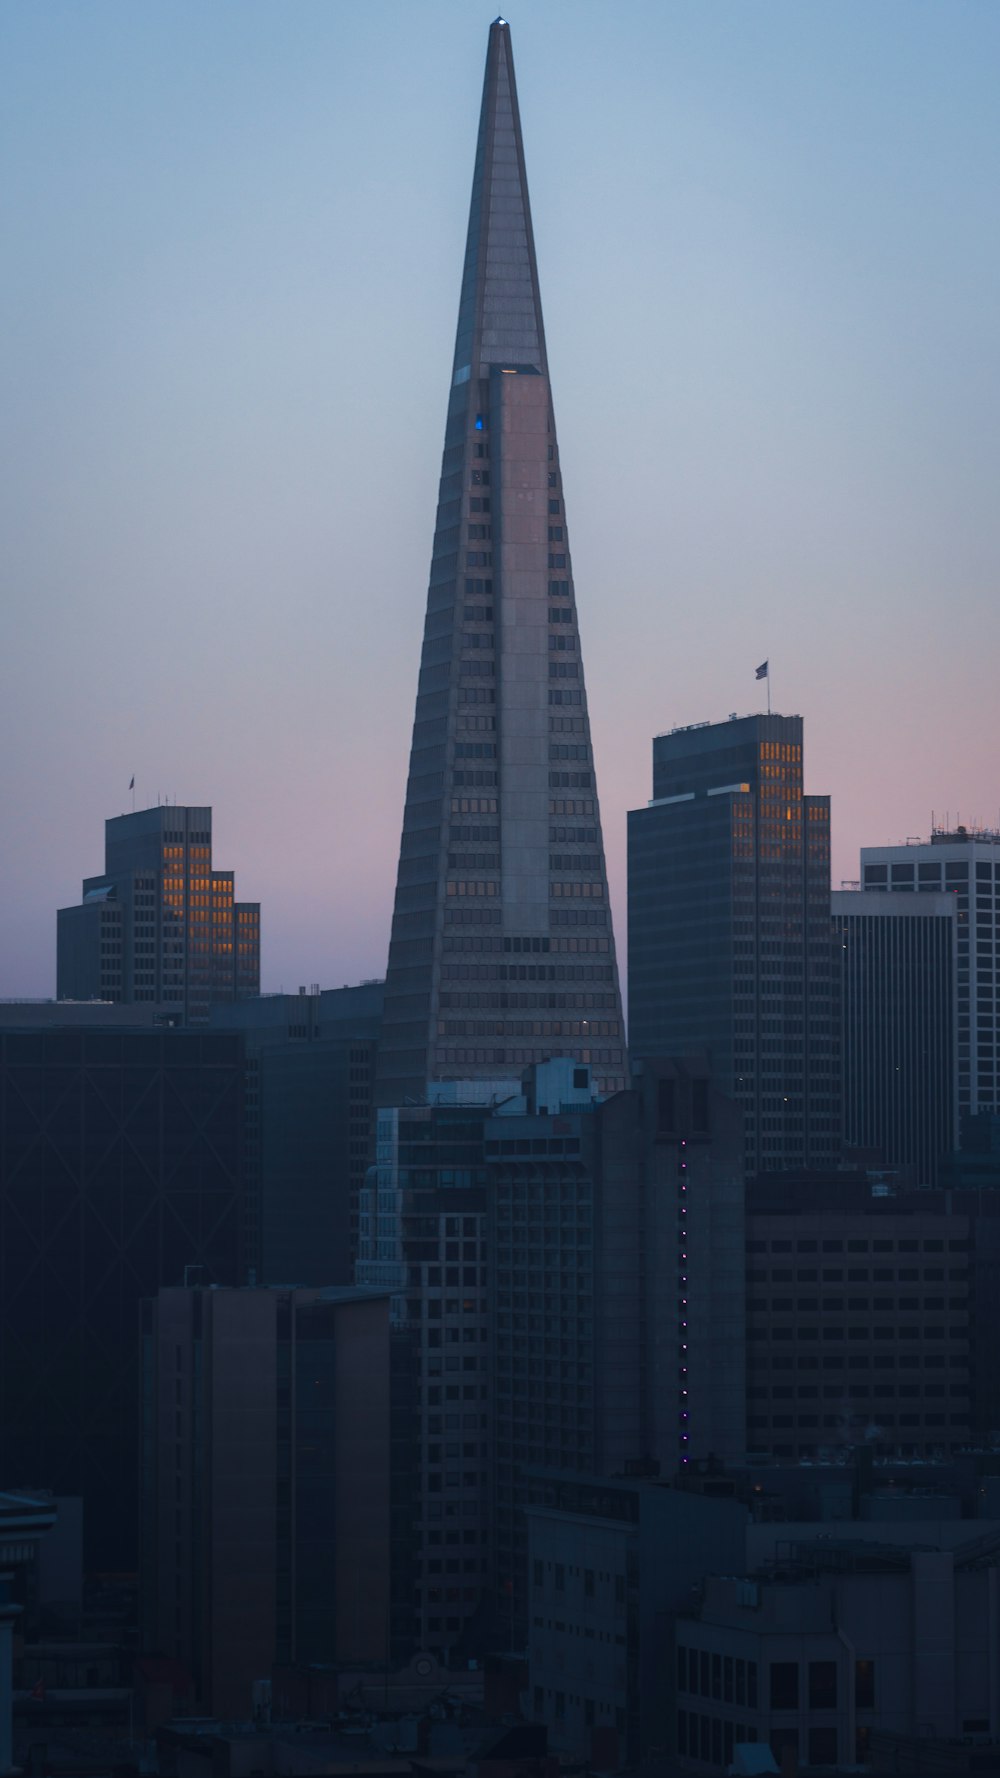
point(823, 1747)
point(864, 1685)
point(822, 1685)
point(784, 1685)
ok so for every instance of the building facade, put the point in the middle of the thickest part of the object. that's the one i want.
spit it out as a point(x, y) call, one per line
point(611, 1561)
point(26, 1519)
point(310, 1072)
point(841, 1644)
point(265, 1484)
point(859, 1320)
point(729, 931)
point(502, 949)
point(120, 1166)
point(160, 925)
point(897, 996)
point(964, 863)
point(615, 1235)
point(422, 1238)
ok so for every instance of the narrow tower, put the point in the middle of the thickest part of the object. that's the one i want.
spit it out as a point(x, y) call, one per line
point(502, 950)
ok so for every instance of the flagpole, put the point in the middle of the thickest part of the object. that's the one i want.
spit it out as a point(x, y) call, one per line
point(769, 685)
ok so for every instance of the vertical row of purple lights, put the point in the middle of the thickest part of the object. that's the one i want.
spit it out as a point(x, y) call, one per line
point(682, 1240)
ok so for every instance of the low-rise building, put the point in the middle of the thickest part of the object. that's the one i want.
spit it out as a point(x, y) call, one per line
point(611, 1560)
point(837, 1640)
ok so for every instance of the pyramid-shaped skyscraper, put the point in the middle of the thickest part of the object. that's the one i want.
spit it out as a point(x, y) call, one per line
point(502, 951)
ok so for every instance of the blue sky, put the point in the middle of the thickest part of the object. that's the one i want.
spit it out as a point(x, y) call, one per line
point(233, 234)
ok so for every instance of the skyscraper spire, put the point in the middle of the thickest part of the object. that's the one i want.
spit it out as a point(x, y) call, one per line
point(502, 951)
point(500, 312)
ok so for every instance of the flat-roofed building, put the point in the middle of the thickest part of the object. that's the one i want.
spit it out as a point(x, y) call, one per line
point(265, 1484)
point(160, 925)
point(898, 957)
point(859, 1319)
point(964, 863)
point(841, 1642)
point(120, 1166)
point(729, 944)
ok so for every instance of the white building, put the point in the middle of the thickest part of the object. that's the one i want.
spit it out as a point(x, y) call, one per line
point(966, 864)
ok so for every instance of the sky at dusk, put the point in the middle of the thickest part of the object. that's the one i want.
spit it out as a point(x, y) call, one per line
point(233, 238)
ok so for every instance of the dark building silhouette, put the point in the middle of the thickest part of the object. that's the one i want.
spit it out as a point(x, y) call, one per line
point(606, 1330)
point(977, 1163)
point(120, 1167)
point(26, 1521)
point(729, 931)
point(964, 863)
point(265, 1484)
point(860, 1319)
point(310, 1063)
point(897, 995)
point(422, 1237)
point(502, 950)
point(615, 1235)
point(160, 925)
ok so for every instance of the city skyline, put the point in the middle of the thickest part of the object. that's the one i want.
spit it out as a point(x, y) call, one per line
point(770, 248)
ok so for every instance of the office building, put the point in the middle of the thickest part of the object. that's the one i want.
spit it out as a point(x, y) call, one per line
point(422, 1238)
point(897, 960)
point(26, 1519)
point(612, 1560)
point(265, 1484)
point(615, 1235)
point(859, 1320)
point(965, 863)
point(310, 1071)
point(729, 931)
point(976, 1165)
point(160, 925)
point(502, 950)
point(120, 1167)
point(845, 1653)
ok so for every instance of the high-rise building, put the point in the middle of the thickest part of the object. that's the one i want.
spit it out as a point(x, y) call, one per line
point(607, 1329)
point(120, 1167)
point(422, 1238)
point(502, 950)
point(965, 863)
point(615, 1235)
point(310, 1071)
point(897, 997)
point(730, 946)
point(160, 924)
point(265, 1484)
